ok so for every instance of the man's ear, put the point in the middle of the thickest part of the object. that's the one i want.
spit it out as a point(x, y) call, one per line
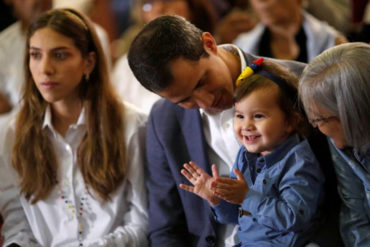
point(209, 43)
point(91, 62)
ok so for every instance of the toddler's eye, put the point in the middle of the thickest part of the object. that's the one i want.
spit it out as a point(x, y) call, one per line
point(259, 115)
point(239, 116)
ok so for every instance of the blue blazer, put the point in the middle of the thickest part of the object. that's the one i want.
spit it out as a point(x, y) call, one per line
point(176, 217)
point(175, 136)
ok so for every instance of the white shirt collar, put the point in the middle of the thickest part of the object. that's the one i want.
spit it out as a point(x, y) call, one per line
point(243, 63)
point(48, 118)
point(241, 55)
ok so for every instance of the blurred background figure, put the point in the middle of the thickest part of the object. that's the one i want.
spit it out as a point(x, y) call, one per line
point(12, 47)
point(360, 22)
point(337, 13)
point(84, 6)
point(237, 18)
point(351, 17)
point(6, 17)
point(286, 31)
point(237, 21)
point(199, 12)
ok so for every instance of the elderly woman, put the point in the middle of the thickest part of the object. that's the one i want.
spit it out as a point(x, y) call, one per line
point(335, 91)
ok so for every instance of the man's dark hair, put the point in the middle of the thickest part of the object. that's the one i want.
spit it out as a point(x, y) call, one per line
point(159, 43)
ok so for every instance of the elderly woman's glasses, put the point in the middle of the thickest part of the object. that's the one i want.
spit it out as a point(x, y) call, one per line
point(321, 120)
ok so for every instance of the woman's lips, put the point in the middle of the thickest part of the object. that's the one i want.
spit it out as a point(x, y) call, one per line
point(49, 84)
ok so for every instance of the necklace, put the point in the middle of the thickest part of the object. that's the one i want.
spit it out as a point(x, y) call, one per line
point(71, 208)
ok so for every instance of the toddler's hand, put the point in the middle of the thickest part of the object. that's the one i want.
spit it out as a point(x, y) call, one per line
point(201, 182)
point(231, 190)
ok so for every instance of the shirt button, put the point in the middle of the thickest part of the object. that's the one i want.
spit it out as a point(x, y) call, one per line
point(264, 181)
point(258, 170)
point(226, 125)
point(254, 219)
point(211, 239)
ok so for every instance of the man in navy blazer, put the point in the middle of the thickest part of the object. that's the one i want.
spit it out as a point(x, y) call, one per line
point(179, 62)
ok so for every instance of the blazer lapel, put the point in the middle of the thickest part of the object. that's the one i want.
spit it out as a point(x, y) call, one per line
point(192, 130)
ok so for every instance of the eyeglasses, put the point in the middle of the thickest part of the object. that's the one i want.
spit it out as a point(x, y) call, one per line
point(321, 120)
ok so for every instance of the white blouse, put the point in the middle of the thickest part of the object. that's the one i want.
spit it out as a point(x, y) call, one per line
point(70, 216)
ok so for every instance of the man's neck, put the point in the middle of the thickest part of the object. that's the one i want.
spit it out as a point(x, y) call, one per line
point(215, 113)
point(230, 55)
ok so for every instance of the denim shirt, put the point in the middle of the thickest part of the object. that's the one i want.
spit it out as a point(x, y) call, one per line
point(285, 191)
point(353, 173)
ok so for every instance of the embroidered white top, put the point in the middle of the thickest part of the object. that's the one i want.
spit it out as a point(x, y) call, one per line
point(51, 222)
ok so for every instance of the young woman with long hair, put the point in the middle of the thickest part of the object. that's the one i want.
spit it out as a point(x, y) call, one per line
point(75, 148)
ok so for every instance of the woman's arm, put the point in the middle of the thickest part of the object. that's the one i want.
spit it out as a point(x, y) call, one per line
point(15, 229)
point(355, 211)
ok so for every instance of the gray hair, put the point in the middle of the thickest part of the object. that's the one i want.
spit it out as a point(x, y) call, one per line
point(338, 80)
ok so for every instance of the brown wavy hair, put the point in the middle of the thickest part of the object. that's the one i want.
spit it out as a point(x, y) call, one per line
point(101, 153)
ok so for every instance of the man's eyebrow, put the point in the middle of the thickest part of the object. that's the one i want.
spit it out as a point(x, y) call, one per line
point(183, 100)
point(195, 87)
point(186, 98)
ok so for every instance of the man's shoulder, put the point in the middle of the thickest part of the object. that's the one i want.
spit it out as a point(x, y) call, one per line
point(166, 115)
point(293, 66)
point(164, 107)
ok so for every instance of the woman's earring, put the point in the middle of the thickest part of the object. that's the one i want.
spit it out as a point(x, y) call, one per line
point(87, 77)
